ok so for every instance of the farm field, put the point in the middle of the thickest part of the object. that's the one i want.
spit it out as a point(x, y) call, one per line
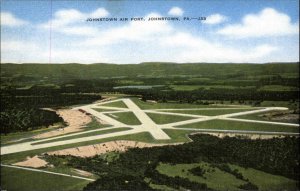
point(207, 87)
point(127, 118)
point(234, 125)
point(119, 104)
point(211, 111)
point(272, 116)
point(159, 118)
point(218, 179)
point(18, 179)
point(110, 130)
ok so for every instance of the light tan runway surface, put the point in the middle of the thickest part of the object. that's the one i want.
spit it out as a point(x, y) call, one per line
point(147, 124)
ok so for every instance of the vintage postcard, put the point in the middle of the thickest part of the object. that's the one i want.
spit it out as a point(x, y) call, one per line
point(149, 95)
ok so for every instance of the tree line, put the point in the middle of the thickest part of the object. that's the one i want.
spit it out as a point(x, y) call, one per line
point(213, 94)
point(23, 112)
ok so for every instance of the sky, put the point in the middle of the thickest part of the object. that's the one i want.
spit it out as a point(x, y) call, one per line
point(234, 31)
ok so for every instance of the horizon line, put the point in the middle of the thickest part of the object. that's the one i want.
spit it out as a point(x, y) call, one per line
point(156, 62)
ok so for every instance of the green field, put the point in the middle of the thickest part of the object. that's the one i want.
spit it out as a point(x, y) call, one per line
point(18, 179)
point(164, 119)
point(219, 180)
point(20, 137)
point(290, 105)
point(236, 125)
point(255, 116)
point(159, 187)
point(60, 167)
point(211, 112)
point(125, 117)
point(119, 104)
point(177, 136)
point(266, 181)
point(94, 124)
point(185, 87)
point(278, 88)
point(24, 136)
point(102, 110)
point(17, 157)
point(266, 116)
point(207, 87)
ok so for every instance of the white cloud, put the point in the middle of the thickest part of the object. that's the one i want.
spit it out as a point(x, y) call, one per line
point(196, 49)
point(161, 38)
point(135, 31)
point(68, 16)
point(268, 22)
point(166, 43)
point(176, 11)
point(30, 52)
point(132, 42)
point(78, 56)
point(79, 30)
point(71, 21)
point(8, 19)
point(13, 45)
point(100, 12)
point(18, 51)
point(215, 19)
point(65, 17)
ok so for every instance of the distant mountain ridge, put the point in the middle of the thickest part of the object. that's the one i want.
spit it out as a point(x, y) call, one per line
point(148, 69)
point(146, 63)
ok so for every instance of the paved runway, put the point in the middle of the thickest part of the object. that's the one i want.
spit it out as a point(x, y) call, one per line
point(147, 124)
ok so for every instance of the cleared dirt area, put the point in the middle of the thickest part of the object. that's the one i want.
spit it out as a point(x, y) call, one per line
point(246, 136)
point(74, 119)
point(34, 162)
point(102, 121)
point(287, 117)
point(92, 150)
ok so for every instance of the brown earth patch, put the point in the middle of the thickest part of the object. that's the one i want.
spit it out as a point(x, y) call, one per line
point(282, 116)
point(92, 150)
point(34, 162)
point(244, 136)
point(102, 121)
point(75, 120)
point(288, 118)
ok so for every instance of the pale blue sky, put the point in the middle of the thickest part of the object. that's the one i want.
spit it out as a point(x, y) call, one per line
point(235, 31)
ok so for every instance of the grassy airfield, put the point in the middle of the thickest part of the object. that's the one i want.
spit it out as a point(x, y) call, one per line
point(181, 100)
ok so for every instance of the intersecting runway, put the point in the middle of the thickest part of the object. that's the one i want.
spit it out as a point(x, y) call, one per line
point(147, 124)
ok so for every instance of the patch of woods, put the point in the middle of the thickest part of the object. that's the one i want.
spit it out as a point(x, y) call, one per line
point(136, 169)
point(198, 171)
point(25, 119)
point(21, 110)
point(195, 96)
